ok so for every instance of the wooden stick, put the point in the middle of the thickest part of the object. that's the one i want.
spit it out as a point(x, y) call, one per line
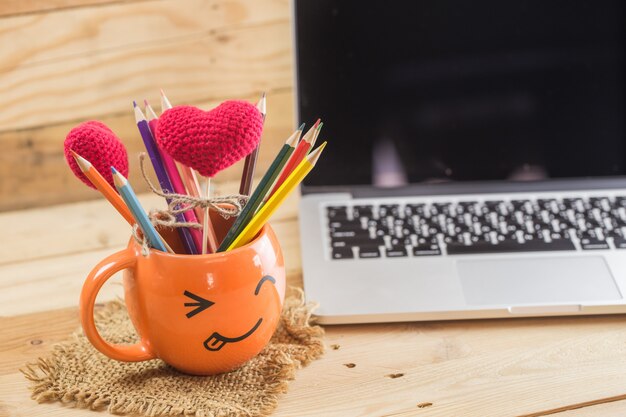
point(190, 180)
point(250, 163)
point(205, 225)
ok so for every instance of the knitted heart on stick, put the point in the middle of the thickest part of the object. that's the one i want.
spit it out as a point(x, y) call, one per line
point(210, 141)
point(95, 142)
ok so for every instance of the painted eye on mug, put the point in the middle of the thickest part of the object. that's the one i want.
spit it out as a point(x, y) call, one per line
point(266, 278)
point(201, 304)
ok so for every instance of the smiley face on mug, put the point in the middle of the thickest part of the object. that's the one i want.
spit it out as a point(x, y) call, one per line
point(216, 341)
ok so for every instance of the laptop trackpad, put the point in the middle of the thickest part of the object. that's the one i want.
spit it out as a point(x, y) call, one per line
point(537, 280)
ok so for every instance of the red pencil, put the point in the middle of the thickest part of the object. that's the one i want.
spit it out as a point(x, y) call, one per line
point(298, 155)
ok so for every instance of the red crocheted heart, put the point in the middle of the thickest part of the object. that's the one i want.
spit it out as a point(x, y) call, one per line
point(95, 142)
point(210, 141)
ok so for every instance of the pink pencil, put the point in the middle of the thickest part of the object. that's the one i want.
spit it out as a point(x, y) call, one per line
point(193, 188)
point(172, 172)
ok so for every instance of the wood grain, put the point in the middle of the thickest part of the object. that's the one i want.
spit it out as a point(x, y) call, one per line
point(212, 67)
point(97, 30)
point(460, 368)
point(200, 51)
point(19, 7)
point(33, 171)
point(613, 408)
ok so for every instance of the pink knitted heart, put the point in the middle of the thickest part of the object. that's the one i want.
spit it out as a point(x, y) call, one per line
point(94, 141)
point(210, 141)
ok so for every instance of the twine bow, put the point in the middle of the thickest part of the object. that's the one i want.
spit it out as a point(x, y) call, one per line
point(180, 203)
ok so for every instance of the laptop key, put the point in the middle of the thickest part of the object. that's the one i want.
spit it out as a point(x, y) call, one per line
point(589, 243)
point(369, 252)
point(535, 245)
point(345, 224)
point(619, 242)
point(426, 250)
point(362, 211)
point(343, 253)
point(336, 212)
point(389, 210)
point(349, 234)
point(396, 252)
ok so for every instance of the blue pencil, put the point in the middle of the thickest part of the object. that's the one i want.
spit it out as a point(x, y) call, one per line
point(127, 193)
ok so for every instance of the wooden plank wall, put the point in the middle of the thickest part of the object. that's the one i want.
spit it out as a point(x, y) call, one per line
point(66, 61)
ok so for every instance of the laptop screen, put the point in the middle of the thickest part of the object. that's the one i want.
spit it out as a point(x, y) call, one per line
point(425, 91)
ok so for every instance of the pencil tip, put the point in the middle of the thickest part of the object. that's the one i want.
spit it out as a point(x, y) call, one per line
point(134, 103)
point(315, 155)
point(118, 179)
point(310, 134)
point(139, 116)
point(150, 112)
point(83, 164)
point(145, 102)
point(262, 104)
point(293, 139)
point(165, 103)
point(301, 128)
point(316, 134)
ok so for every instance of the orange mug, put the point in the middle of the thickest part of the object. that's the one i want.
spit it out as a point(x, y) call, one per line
point(201, 314)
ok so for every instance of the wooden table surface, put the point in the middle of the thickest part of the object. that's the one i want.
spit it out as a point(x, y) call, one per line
point(569, 367)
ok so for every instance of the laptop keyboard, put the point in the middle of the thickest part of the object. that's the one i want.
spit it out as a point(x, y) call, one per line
point(471, 227)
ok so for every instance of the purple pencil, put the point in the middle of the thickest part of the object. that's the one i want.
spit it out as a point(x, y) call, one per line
point(174, 176)
point(164, 180)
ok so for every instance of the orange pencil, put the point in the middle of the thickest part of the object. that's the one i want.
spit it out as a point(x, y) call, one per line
point(298, 155)
point(104, 187)
point(107, 191)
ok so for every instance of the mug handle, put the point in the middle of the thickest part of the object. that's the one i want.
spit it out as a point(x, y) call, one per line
point(97, 277)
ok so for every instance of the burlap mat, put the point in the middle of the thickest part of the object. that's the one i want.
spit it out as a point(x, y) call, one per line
point(76, 374)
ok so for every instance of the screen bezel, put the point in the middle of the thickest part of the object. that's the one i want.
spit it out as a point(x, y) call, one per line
point(420, 189)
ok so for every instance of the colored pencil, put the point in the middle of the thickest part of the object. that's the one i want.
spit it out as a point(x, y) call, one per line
point(250, 164)
point(261, 190)
point(127, 193)
point(165, 103)
point(174, 176)
point(190, 180)
point(164, 181)
point(315, 135)
point(298, 155)
point(104, 187)
point(265, 212)
point(107, 191)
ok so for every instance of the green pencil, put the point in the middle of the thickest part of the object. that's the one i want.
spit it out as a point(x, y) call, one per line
point(261, 190)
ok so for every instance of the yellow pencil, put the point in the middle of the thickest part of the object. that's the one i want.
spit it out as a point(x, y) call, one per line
point(266, 211)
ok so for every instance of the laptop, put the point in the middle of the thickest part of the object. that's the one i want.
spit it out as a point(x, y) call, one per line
point(476, 159)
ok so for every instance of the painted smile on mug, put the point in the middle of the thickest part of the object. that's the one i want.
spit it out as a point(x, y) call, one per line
point(217, 341)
